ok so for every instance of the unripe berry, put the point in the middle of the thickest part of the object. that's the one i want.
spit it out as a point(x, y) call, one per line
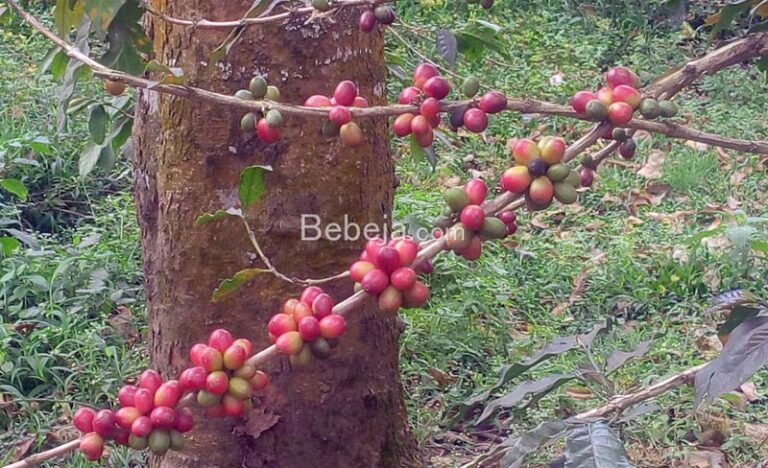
point(580, 100)
point(358, 270)
point(390, 300)
point(177, 440)
point(384, 14)
point(239, 388)
point(159, 442)
point(470, 87)
point(258, 87)
point(207, 399)
point(245, 372)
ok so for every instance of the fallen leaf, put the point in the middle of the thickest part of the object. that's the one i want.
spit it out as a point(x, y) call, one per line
point(711, 278)
point(259, 420)
point(653, 164)
point(634, 220)
point(716, 243)
point(749, 390)
point(732, 203)
point(738, 176)
point(697, 145)
point(642, 135)
point(579, 285)
point(579, 393)
point(440, 377)
point(453, 181)
point(680, 254)
point(122, 322)
point(703, 459)
point(22, 448)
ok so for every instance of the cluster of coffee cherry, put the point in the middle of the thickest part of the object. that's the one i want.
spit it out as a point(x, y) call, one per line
point(428, 89)
point(465, 237)
point(147, 417)
point(382, 14)
point(339, 121)
point(306, 327)
point(385, 271)
point(268, 122)
point(540, 174)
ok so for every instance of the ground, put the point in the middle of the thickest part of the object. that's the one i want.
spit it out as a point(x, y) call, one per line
point(72, 308)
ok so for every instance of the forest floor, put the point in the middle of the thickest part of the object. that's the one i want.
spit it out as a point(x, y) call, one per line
point(631, 250)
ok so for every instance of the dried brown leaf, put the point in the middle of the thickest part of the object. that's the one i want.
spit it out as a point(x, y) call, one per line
point(441, 377)
point(653, 165)
point(703, 459)
point(749, 390)
point(579, 285)
point(22, 448)
point(260, 420)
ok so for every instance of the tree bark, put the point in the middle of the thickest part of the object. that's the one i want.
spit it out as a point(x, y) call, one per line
point(348, 410)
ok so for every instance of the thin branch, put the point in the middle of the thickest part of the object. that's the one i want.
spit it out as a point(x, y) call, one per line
point(526, 106)
point(337, 5)
point(40, 457)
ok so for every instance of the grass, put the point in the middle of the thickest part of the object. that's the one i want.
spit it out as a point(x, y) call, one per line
point(64, 337)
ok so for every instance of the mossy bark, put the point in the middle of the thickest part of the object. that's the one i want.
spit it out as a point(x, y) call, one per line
point(347, 411)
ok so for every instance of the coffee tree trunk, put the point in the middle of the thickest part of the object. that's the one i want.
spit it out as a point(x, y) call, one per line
point(346, 411)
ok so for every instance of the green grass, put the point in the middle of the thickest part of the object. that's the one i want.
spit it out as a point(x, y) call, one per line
point(60, 339)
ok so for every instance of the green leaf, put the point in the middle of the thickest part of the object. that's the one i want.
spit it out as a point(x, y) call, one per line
point(759, 245)
point(447, 45)
point(66, 15)
point(737, 315)
point(71, 75)
point(8, 245)
point(102, 13)
point(169, 75)
point(529, 442)
point(97, 124)
point(206, 218)
point(228, 286)
point(77, 104)
point(595, 446)
point(107, 157)
point(127, 41)
point(121, 131)
point(16, 187)
point(89, 158)
point(536, 388)
point(252, 184)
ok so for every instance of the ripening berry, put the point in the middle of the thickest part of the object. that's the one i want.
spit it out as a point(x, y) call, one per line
point(317, 100)
point(234, 357)
point(417, 296)
point(322, 306)
point(259, 381)
point(475, 120)
point(217, 382)
point(403, 278)
point(618, 76)
point(195, 353)
point(476, 190)
point(211, 359)
point(516, 179)
point(408, 249)
point(339, 115)
point(332, 326)
point(290, 343)
point(83, 419)
point(281, 323)
point(150, 380)
point(193, 379)
point(351, 134)
point(124, 417)
point(163, 417)
point(239, 388)
point(580, 100)
point(104, 423)
point(246, 344)
point(390, 300)
point(92, 446)
point(168, 394)
point(144, 400)
point(359, 269)
point(345, 93)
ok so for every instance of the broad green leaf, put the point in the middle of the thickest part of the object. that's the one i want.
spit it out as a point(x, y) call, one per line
point(127, 41)
point(102, 13)
point(66, 15)
point(447, 45)
point(16, 187)
point(77, 104)
point(89, 158)
point(97, 124)
point(618, 358)
point(726, 15)
point(252, 184)
point(121, 131)
point(427, 153)
point(228, 286)
point(529, 442)
point(8, 245)
point(107, 157)
point(537, 388)
point(595, 446)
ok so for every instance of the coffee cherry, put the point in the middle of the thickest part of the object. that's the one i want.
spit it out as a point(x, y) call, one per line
point(486, 4)
point(596, 110)
point(472, 217)
point(541, 191)
point(607, 131)
point(137, 443)
point(248, 123)
point(159, 442)
point(83, 419)
point(317, 100)
point(508, 217)
point(163, 417)
point(619, 134)
point(403, 278)
point(289, 343)
point(457, 117)
point(409, 95)
point(144, 400)
point(628, 94)
point(309, 294)
point(246, 372)
point(339, 115)
point(390, 300)
point(402, 124)
point(668, 109)
point(573, 179)
point(345, 93)
point(580, 100)
point(516, 179)
point(141, 426)
point(388, 259)
point(121, 436)
point(605, 95)
point(233, 407)
point(420, 125)
point(115, 88)
point(259, 381)
point(220, 339)
point(234, 357)
point(407, 249)
point(475, 120)
point(650, 108)
point(273, 93)
point(168, 394)
point(372, 248)
point(367, 21)
point(244, 95)
point(618, 76)
point(321, 5)
point(351, 134)
point(476, 190)
point(212, 360)
point(552, 149)
point(470, 87)
point(266, 133)
point(150, 380)
point(274, 118)
point(320, 348)
point(360, 102)
point(245, 344)
point(177, 440)
point(104, 423)
point(627, 149)
point(493, 228)
point(359, 269)
point(473, 250)
point(587, 176)
point(207, 399)
point(375, 281)
point(332, 326)
point(196, 352)
point(492, 102)
point(422, 73)
point(239, 388)
point(417, 296)
point(558, 172)
point(92, 446)
point(309, 328)
point(524, 151)
point(193, 379)
point(437, 87)
point(303, 358)
point(457, 237)
point(537, 167)
point(424, 140)
point(565, 193)
point(511, 229)
point(620, 113)
point(258, 87)
point(384, 14)
point(429, 108)
point(322, 306)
